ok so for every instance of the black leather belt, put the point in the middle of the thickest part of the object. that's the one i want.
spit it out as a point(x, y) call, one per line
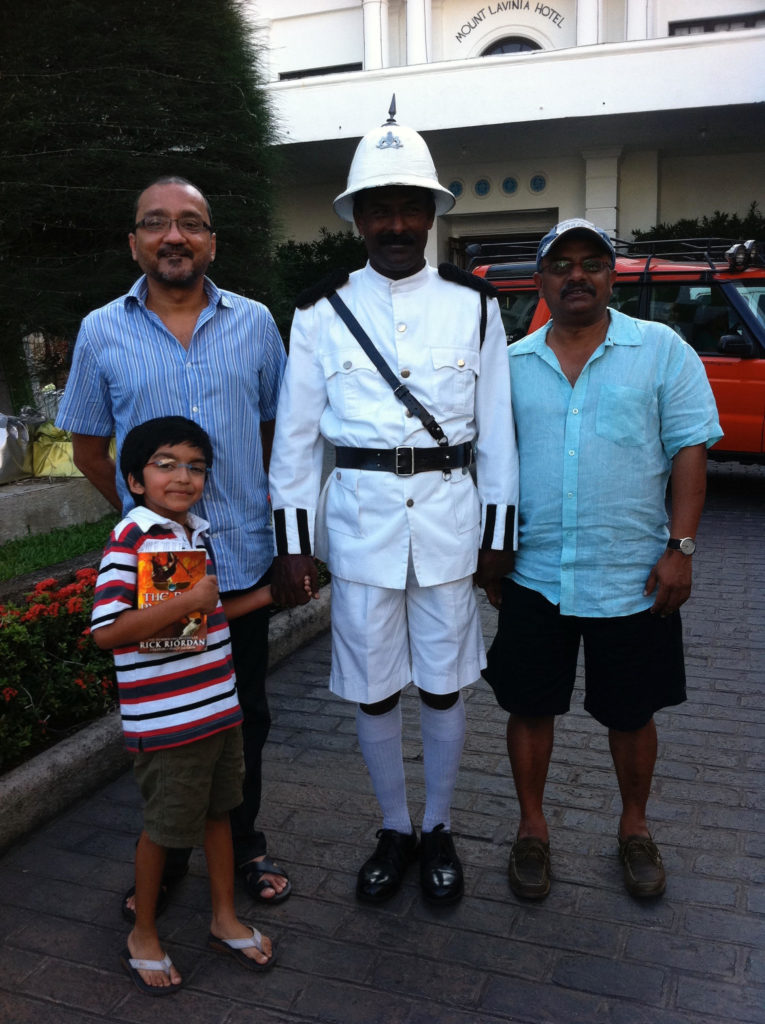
point(406, 459)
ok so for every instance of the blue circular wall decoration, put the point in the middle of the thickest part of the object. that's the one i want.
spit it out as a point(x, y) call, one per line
point(510, 186)
point(538, 183)
point(456, 188)
point(482, 187)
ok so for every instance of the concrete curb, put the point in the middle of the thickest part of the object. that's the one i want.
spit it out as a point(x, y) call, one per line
point(43, 787)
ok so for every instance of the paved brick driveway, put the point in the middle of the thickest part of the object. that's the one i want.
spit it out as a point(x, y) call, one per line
point(588, 954)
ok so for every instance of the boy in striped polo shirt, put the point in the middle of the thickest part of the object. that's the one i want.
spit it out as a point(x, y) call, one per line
point(180, 713)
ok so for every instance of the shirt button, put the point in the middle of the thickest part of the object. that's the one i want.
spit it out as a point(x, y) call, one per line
point(409, 502)
point(338, 476)
point(401, 328)
point(575, 412)
point(572, 452)
point(460, 362)
point(570, 493)
point(195, 408)
point(408, 412)
point(347, 364)
point(406, 373)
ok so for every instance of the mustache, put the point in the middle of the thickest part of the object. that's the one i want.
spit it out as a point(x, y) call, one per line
point(576, 286)
point(391, 238)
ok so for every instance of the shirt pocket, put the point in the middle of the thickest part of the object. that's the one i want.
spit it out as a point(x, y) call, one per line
point(623, 414)
point(454, 375)
point(343, 509)
point(467, 507)
point(351, 378)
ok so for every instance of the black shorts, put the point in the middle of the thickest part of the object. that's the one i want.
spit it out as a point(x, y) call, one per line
point(633, 663)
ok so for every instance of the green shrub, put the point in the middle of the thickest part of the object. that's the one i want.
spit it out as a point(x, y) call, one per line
point(53, 676)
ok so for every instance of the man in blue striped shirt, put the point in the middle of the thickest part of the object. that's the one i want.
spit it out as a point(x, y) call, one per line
point(178, 345)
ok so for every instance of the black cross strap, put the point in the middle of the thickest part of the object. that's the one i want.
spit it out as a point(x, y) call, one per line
point(400, 390)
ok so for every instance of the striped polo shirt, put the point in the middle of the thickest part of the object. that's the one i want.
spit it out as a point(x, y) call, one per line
point(166, 698)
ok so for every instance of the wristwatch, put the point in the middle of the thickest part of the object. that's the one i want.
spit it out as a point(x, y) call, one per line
point(687, 545)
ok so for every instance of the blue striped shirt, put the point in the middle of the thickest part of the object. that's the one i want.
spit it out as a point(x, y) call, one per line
point(129, 368)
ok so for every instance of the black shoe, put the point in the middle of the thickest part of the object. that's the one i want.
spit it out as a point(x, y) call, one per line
point(440, 869)
point(380, 877)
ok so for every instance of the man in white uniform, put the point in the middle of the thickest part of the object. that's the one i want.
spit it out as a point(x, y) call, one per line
point(402, 525)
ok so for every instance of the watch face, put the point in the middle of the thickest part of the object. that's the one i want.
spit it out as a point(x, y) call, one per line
point(687, 546)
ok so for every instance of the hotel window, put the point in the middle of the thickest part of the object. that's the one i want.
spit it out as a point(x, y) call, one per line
point(337, 69)
point(510, 44)
point(697, 26)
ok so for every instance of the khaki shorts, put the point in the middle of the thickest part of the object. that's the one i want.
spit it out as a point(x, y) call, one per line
point(184, 786)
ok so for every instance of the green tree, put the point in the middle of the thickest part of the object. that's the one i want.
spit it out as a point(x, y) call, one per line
point(97, 99)
point(301, 264)
point(719, 225)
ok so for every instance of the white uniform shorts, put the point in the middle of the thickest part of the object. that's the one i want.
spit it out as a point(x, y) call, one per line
point(382, 639)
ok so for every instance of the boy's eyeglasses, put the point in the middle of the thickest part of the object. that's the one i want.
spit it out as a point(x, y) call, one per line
point(170, 466)
point(188, 225)
point(589, 266)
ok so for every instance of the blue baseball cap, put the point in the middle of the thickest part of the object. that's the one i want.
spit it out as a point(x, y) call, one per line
point(574, 224)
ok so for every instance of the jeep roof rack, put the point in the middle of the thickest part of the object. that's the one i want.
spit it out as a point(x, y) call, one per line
point(712, 251)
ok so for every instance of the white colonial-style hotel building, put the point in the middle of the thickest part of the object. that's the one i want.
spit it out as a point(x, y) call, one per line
point(628, 112)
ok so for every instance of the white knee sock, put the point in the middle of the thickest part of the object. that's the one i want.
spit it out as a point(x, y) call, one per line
point(443, 736)
point(380, 742)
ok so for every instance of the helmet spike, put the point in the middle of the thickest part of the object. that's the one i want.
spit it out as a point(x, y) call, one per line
point(392, 111)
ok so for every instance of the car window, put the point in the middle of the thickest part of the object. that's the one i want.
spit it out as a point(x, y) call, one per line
point(698, 312)
point(626, 298)
point(517, 309)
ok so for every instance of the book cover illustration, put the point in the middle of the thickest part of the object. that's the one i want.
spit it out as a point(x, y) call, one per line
point(162, 576)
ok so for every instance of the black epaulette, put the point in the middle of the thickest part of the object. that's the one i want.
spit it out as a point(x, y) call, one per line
point(449, 272)
point(328, 284)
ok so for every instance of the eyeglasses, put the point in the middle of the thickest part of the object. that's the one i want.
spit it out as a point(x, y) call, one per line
point(156, 224)
point(170, 466)
point(590, 266)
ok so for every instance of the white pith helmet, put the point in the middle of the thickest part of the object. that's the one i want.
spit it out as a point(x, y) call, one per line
point(392, 155)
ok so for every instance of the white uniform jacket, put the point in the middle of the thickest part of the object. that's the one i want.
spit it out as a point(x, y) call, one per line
point(428, 330)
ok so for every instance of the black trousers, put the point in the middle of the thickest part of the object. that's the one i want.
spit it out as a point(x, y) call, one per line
point(249, 646)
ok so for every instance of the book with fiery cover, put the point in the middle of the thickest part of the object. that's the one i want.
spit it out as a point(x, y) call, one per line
point(163, 574)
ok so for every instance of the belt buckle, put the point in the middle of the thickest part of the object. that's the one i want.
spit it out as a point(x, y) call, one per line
point(404, 451)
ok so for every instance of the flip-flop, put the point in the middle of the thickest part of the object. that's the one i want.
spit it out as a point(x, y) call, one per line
point(133, 965)
point(234, 947)
point(128, 913)
point(252, 874)
point(163, 897)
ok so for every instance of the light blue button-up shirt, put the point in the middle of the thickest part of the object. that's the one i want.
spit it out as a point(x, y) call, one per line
point(128, 368)
point(595, 459)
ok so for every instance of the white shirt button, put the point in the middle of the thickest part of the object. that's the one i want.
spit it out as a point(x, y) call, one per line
point(347, 364)
point(401, 328)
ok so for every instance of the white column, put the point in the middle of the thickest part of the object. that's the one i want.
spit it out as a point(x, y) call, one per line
point(376, 51)
point(589, 21)
point(417, 31)
point(636, 19)
point(602, 187)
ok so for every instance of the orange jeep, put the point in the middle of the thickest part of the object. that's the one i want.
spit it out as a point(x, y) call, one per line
point(711, 291)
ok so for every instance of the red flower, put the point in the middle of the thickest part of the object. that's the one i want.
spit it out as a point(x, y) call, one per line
point(44, 585)
point(9, 693)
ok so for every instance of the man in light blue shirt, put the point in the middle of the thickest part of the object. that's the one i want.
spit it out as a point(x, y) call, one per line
point(176, 344)
point(607, 410)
